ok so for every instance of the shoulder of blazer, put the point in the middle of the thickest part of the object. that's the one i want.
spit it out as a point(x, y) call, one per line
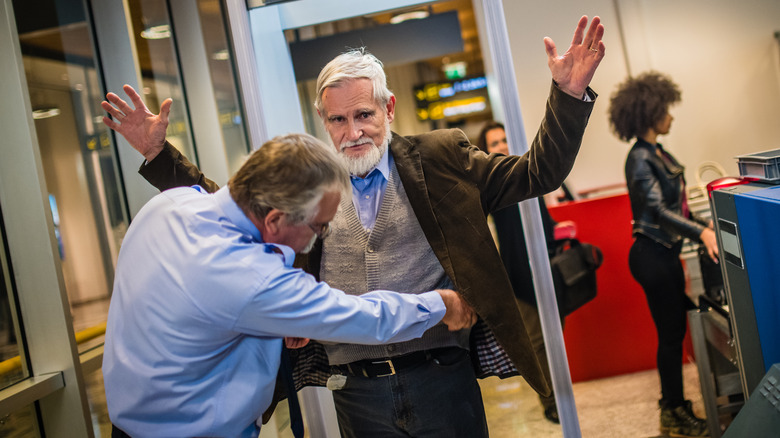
point(430, 140)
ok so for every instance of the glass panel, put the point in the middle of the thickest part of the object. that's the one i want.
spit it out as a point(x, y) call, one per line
point(77, 154)
point(151, 26)
point(223, 80)
point(12, 367)
point(20, 424)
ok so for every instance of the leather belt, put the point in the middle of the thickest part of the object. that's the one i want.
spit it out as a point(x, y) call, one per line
point(388, 366)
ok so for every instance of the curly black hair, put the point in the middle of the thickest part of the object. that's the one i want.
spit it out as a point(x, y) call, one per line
point(639, 103)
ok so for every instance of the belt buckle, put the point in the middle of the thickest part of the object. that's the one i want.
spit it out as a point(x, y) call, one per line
point(389, 363)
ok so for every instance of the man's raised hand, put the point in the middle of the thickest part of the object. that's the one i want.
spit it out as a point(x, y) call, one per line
point(143, 130)
point(574, 70)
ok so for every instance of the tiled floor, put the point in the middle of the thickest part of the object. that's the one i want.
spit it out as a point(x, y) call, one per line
point(617, 407)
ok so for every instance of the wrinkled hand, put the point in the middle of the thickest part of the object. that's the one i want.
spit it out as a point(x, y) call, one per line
point(574, 70)
point(459, 314)
point(295, 342)
point(710, 242)
point(143, 130)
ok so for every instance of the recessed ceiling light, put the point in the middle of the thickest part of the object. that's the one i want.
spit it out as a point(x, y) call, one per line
point(220, 55)
point(157, 32)
point(413, 15)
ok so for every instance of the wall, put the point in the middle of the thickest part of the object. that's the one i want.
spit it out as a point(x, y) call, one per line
point(722, 54)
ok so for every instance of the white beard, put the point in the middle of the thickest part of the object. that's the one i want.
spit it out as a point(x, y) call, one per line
point(310, 245)
point(360, 166)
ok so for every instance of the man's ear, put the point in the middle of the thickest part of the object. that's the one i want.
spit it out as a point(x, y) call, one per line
point(390, 109)
point(269, 225)
point(272, 222)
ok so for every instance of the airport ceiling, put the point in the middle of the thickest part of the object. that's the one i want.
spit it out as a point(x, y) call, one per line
point(57, 29)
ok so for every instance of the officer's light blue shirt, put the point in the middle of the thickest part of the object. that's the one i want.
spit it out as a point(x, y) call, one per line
point(367, 192)
point(198, 312)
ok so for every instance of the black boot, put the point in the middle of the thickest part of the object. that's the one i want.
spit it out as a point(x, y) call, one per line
point(551, 414)
point(679, 421)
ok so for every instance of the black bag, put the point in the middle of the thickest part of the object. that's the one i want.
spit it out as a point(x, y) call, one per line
point(574, 274)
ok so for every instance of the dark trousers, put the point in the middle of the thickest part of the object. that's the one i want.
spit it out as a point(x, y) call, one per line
point(118, 433)
point(660, 273)
point(437, 398)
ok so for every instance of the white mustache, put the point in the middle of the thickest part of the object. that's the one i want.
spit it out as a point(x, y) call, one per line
point(357, 142)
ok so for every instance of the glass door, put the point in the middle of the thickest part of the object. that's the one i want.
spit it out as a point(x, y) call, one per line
point(60, 64)
point(13, 361)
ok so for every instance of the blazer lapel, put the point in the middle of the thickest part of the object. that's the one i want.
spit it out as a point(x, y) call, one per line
point(409, 165)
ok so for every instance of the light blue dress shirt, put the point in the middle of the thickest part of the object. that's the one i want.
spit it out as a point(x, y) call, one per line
point(198, 312)
point(367, 192)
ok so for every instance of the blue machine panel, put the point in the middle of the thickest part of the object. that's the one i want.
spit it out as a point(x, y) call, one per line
point(759, 218)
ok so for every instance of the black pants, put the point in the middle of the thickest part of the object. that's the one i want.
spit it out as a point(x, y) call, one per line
point(660, 273)
point(434, 399)
point(118, 433)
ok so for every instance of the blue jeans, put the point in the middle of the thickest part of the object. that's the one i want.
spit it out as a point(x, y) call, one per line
point(437, 398)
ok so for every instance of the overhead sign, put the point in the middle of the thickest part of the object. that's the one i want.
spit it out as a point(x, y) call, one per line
point(452, 99)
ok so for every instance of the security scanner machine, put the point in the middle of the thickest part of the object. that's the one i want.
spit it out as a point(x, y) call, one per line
point(746, 212)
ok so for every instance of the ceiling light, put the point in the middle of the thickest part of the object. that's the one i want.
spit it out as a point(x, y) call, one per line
point(220, 55)
point(157, 32)
point(45, 113)
point(413, 15)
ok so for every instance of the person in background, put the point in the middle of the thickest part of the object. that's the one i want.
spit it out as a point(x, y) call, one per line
point(639, 109)
point(415, 222)
point(511, 242)
point(205, 291)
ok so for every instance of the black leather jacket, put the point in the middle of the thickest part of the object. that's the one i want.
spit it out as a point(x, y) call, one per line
point(656, 189)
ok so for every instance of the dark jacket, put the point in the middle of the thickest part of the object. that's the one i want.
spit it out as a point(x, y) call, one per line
point(452, 186)
point(514, 253)
point(656, 188)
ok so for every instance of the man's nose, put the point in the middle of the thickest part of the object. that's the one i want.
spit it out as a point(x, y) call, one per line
point(355, 130)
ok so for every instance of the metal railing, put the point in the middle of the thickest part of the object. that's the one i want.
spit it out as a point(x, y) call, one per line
point(13, 364)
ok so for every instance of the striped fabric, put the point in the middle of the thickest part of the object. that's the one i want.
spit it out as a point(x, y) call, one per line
point(310, 363)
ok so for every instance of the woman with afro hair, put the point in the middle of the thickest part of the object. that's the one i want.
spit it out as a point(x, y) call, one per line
point(639, 109)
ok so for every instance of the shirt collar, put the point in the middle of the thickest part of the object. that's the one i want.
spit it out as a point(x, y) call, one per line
point(240, 220)
point(383, 167)
point(235, 214)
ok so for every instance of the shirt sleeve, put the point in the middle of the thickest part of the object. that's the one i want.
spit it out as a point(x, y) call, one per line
point(292, 303)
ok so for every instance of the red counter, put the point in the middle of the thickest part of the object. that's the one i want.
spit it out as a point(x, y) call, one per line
point(613, 334)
